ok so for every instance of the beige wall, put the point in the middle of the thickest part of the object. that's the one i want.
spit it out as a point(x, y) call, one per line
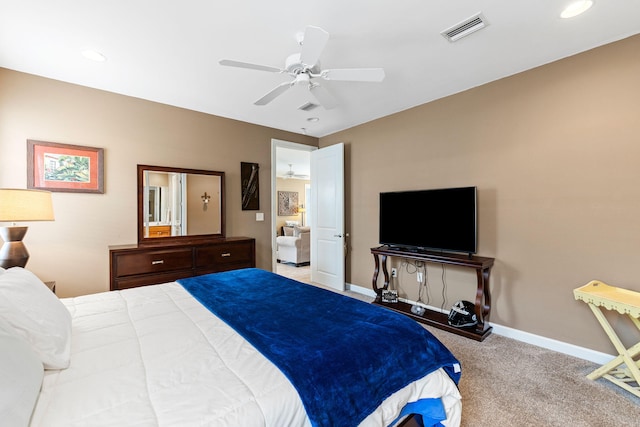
point(555, 154)
point(73, 250)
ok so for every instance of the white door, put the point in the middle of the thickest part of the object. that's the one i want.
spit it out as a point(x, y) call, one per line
point(327, 228)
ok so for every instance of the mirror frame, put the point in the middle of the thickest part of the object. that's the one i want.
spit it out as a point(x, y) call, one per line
point(154, 241)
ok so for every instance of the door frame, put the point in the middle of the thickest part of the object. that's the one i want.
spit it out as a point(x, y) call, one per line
point(275, 144)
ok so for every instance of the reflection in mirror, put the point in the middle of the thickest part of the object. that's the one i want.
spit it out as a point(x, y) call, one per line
point(165, 205)
point(156, 203)
point(179, 203)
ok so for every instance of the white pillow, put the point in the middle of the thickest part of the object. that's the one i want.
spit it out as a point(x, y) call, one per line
point(21, 374)
point(36, 315)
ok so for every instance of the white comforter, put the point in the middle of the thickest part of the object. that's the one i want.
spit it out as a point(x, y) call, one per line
point(154, 356)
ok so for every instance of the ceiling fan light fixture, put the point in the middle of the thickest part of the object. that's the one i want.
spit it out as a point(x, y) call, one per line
point(303, 79)
point(576, 8)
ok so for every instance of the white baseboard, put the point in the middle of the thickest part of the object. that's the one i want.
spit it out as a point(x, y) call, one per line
point(360, 290)
point(518, 335)
point(551, 344)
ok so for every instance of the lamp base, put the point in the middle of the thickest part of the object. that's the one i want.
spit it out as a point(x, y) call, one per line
point(13, 252)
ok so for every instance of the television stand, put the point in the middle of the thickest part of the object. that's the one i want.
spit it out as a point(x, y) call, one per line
point(481, 265)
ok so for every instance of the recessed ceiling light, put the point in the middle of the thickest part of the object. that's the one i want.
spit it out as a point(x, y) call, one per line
point(94, 56)
point(576, 8)
point(313, 119)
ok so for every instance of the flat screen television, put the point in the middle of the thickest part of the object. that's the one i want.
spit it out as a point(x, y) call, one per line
point(442, 219)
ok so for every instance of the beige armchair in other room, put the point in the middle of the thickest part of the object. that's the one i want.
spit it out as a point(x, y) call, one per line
point(294, 245)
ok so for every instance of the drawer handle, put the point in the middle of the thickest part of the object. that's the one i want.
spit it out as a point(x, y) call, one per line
point(157, 262)
point(226, 254)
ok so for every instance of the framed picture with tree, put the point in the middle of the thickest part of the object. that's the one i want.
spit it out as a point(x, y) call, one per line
point(63, 167)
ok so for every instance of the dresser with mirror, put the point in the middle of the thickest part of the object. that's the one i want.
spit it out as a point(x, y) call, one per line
point(181, 230)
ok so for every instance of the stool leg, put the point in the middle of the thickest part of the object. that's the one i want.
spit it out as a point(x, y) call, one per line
point(632, 353)
point(625, 355)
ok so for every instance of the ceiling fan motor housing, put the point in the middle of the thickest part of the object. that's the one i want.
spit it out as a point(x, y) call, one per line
point(294, 67)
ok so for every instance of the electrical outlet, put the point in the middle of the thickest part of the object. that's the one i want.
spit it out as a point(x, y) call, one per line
point(394, 272)
point(419, 276)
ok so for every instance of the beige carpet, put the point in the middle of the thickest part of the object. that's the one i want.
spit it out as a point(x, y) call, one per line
point(509, 383)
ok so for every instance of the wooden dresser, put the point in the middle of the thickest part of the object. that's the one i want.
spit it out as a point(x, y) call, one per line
point(134, 265)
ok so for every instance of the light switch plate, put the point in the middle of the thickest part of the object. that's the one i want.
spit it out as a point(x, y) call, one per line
point(259, 216)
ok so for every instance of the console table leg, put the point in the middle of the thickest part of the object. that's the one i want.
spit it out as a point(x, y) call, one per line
point(487, 295)
point(483, 299)
point(386, 272)
point(376, 271)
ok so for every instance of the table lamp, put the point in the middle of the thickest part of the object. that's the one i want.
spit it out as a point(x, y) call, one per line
point(20, 205)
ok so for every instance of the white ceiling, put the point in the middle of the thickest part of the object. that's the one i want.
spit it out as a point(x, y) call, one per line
point(168, 51)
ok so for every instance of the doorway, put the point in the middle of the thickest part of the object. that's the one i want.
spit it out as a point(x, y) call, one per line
point(291, 181)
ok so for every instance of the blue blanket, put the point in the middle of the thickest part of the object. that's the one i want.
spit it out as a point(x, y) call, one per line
point(343, 356)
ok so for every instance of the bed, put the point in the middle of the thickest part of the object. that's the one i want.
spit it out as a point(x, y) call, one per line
point(180, 354)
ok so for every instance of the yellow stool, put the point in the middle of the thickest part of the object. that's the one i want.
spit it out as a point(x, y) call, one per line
point(598, 294)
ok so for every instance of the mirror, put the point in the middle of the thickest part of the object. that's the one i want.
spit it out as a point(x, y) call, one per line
point(179, 204)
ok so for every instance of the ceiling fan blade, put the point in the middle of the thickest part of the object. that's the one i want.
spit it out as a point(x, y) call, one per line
point(313, 43)
point(238, 64)
point(323, 96)
point(354, 74)
point(276, 92)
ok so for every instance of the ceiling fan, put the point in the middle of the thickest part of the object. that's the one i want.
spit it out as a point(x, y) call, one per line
point(290, 174)
point(304, 68)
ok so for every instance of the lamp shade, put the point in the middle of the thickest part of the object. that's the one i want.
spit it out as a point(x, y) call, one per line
point(25, 205)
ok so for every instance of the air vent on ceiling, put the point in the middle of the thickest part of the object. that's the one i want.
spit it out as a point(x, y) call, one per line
point(464, 28)
point(308, 106)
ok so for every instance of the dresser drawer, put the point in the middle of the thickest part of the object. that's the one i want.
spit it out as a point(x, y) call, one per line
point(134, 265)
point(153, 261)
point(229, 253)
point(159, 231)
